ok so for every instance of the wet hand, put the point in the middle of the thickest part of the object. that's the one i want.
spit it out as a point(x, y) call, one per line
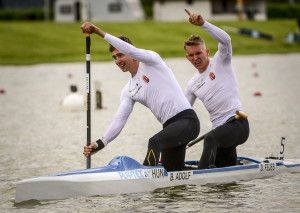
point(195, 19)
point(88, 150)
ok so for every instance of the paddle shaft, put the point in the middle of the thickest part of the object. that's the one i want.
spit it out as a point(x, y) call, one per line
point(88, 96)
point(239, 115)
point(192, 143)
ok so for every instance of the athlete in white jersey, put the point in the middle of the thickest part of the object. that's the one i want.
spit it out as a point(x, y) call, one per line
point(153, 84)
point(215, 85)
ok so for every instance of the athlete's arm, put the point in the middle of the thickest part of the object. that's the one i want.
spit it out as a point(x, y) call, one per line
point(120, 118)
point(142, 55)
point(115, 127)
point(224, 46)
point(190, 96)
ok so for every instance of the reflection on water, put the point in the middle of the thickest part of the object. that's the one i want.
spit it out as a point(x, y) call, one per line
point(29, 204)
point(210, 195)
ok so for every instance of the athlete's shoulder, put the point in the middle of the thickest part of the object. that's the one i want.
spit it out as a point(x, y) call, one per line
point(193, 80)
point(195, 77)
point(154, 55)
point(152, 52)
point(125, 90)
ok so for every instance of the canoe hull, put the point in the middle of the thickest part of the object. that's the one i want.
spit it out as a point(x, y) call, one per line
point(143, 179)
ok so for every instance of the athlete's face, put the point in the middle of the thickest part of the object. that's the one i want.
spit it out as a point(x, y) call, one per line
point(123, 61)
point(198, 55)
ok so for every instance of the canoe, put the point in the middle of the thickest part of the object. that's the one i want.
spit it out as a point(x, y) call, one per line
point(125, 175)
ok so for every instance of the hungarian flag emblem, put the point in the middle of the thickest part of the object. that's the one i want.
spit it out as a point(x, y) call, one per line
point(212, 76)
point(146, 79)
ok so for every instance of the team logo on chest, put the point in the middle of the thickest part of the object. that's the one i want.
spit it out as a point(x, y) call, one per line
point(146, 79)
point(212, 76)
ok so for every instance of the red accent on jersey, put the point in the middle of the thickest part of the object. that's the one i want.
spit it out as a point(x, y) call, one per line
point(146, 79)
point(212, 76)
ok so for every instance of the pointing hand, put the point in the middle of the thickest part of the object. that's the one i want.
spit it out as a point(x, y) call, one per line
point(195, 19)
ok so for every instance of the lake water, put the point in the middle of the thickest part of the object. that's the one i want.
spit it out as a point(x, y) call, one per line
point(39, 137)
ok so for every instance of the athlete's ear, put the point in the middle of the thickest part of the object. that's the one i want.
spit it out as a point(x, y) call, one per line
point(207, 51)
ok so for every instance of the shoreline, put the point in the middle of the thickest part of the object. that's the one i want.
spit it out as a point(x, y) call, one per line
point(169, 58)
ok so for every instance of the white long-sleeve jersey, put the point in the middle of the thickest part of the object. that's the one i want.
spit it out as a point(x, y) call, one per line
point(216, 87)
point(154, 86)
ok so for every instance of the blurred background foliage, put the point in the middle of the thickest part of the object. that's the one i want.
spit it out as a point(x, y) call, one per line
point(26, 39)
point(275, 9)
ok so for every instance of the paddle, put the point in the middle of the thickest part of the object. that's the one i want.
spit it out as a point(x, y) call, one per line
point(88, 96)
point(239, 115)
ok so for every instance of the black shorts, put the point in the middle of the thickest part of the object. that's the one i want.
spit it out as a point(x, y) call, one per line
point(219, 148)
point(171, 141)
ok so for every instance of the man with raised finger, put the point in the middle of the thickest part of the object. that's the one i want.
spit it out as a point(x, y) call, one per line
point(215, 85)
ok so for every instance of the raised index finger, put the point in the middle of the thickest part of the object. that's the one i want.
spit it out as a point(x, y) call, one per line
point(188, 12)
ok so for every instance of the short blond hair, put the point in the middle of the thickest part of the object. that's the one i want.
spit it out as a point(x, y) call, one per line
point(194, 40)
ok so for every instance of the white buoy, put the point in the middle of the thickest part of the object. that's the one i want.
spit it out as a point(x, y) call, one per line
point(73, 101)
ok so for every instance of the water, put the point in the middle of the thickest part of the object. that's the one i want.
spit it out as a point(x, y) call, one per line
point(38, 137)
